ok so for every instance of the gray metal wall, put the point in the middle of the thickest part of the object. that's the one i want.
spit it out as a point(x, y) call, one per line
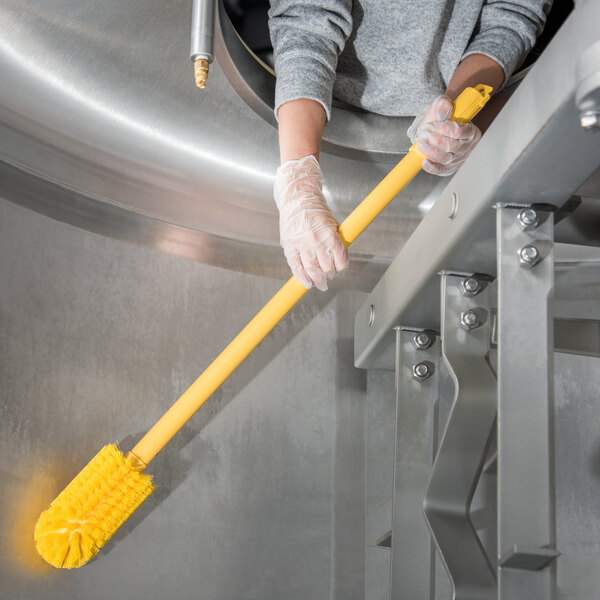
point(261, 496)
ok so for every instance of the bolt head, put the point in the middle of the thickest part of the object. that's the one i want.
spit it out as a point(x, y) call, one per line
point(469, 320)
point(422, 341)
point(421, 371)
point(470, 286)
point(528, 219)
point(529, 256)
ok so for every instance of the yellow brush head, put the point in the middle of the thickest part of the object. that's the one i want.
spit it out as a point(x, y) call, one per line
point(90, 509)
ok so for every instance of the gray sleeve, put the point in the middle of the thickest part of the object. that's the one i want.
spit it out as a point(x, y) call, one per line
point(307, 37)
point(507, 29)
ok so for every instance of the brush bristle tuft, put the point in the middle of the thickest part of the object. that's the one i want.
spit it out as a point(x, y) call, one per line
point(90, 509)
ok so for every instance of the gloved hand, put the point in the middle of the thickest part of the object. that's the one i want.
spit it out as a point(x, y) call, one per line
point(307, 228)
point(444, 143)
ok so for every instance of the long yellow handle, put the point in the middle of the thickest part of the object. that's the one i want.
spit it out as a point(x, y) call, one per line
point(467, 105)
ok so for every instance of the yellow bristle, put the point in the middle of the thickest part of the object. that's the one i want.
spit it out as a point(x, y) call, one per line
point(88, 512)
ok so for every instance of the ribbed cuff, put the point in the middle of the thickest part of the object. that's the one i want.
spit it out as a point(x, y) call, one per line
point(502, 45)
point(303, 77)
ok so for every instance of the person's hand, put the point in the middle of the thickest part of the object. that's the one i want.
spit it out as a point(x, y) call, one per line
point(307, 228)
point(444, 143)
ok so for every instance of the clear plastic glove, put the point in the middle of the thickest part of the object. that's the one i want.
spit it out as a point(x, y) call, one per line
point(307, 228)
point(444, 143)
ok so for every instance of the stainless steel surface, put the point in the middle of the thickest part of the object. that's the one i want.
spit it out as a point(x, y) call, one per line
point(262, 493)
point(576, 308)
point(577, 336)
point(590, 120)
point(202, 36)
point(535, 151)
point(380, 431)
point(526, 493)
point(412, 554)
point(463, 449)
point(588, 88)
point(101, 126)
point(577, 421)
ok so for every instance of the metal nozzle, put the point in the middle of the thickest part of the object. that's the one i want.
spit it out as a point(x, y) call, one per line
point(201, 72)
point(202, 39)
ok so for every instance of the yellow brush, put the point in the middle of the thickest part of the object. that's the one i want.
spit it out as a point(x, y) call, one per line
point(112, 486)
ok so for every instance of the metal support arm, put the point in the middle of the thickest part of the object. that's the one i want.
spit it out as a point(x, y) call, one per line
point(466, 334)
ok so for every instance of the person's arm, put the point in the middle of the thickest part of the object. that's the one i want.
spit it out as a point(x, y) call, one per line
point(307, 36)
point(301, 124)
point(506, 31)
point(473, 70)
point(307, 228)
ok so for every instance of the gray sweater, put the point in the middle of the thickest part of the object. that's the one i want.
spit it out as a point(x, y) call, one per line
point(392, 57)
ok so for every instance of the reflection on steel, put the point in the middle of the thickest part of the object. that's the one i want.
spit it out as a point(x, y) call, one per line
point(588, 88)
point(465, 443)
point(526, 495)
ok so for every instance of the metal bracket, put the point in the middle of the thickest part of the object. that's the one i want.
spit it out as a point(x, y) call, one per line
point(463, 449)
point(412, 556)
point(528, 559)
point(526, 505)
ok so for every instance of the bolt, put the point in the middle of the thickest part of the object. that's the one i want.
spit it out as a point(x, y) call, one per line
point(528, 219)
point(422, 341)
point(529, 256)
point(421, 371)
point(590, 120)
point(470, 286)
point(469, 320)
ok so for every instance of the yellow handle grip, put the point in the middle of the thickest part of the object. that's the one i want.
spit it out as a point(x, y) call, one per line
point(467, 105)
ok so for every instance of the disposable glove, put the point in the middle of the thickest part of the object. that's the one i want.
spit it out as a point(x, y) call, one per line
point(444, 143)
point(307, 228)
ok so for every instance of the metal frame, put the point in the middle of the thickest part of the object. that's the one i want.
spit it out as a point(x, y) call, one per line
point(547, 158)
point(466, 334)
point(546, 153)
point(412, 554)
point(526, 495)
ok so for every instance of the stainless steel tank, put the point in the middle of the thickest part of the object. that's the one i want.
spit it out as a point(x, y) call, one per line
point(101, 126)
point(103, 129)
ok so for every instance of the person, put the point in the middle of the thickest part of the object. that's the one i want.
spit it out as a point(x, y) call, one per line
point(391, 57)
